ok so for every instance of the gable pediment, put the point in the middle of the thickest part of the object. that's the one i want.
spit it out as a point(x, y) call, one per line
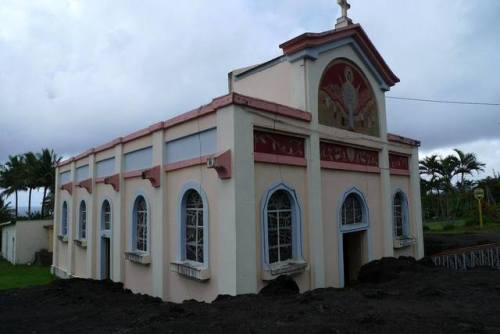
point(311, 45)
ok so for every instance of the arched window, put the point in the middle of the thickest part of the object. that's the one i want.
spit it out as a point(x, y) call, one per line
point(82, 226)
point(194, 226)
point(279, 230)
point(281, 226)
point(106, 216)
point(400, 215)
point(140, 224)
point(64, 219)
point(352, 210)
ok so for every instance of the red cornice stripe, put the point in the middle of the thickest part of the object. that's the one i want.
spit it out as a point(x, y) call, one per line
point(308, 40)
point(217, 103)
point(402, 140)
point(279, 159)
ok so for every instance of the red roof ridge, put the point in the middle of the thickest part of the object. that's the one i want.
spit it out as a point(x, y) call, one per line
point(311, 39)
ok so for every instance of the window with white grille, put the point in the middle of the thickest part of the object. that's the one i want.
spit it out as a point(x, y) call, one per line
point(82, 226)
point(140, 224)
point(106, 215)
point(352, 210)
point(194, 226)
point(280, 227)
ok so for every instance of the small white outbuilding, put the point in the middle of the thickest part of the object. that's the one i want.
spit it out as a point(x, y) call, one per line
point(22, 239)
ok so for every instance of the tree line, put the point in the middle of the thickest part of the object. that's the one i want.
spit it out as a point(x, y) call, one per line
point(28, 172)
point(448, 188)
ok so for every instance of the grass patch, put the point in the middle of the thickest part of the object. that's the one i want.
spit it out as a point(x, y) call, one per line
point(458, 227)
point(21, 276)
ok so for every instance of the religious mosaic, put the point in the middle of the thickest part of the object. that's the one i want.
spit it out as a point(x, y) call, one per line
point(274, 143)
point(346, 99)
point(347, 154)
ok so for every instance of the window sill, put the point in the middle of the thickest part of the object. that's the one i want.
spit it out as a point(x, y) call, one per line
point(191, 270)
point(63, 238)
point(403, 242)
point(141, 258)
point(353, 227)
point(81, 243)
point(284, 268)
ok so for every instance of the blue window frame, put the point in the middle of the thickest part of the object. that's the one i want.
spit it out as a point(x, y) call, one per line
point(64, 219)
point(400, 215)
point(353, 213)
point(281, 226)
point(106, 216)
point(193, 215)
point(82, 226)
point(140, 218)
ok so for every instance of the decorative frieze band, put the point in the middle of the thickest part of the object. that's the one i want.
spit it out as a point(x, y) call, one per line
point(279, 148)
point(399, 164)
point(348, 154)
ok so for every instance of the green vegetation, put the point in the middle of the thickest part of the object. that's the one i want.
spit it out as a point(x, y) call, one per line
point(459, 227)
point(448, 193)
point(27, 172)
point(22, 276)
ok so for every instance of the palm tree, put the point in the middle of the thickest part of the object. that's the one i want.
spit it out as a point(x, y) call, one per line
point(430, 167)
point(467, 165)
point(47, 161)
point(5, 211)
point(12, 179)
point(31, 171)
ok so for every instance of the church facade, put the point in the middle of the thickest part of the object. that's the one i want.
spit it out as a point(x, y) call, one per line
point(293, 172)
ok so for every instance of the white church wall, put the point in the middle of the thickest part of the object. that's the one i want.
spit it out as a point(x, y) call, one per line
point(138, 277)
point(267, 175)
point(178, 287)
point(281, 83)
point(335, 184)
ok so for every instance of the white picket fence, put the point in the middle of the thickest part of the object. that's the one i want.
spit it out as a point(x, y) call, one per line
point(470, 257)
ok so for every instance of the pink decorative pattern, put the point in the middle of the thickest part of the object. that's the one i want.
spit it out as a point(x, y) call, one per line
point(397, 161)
point(348, 155)
point(279, 144)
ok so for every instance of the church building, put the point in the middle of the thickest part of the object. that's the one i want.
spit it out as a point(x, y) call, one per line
point(292, 172)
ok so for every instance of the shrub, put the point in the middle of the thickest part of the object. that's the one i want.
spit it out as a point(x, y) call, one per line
point(448, 227)
point(426, 228)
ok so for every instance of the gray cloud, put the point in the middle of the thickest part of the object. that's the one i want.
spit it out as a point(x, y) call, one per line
point(75, 74)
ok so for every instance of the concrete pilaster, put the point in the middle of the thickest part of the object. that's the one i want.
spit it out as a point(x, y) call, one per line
point(119, 224)
point(416, 204)
point(92, 224)
point(386, 203)
point(158, 221)
point(57, 223)
point(72, 225)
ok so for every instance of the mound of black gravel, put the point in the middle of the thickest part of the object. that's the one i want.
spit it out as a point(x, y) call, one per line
point(390, 268)
point(281, 286)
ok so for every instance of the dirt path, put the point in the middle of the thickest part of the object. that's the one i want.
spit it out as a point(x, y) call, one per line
point(418, 300)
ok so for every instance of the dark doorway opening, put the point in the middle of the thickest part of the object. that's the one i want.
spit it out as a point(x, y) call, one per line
point(106, 259)
point(354, 255)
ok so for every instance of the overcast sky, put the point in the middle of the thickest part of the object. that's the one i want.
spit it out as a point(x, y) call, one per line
point(75, 74)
